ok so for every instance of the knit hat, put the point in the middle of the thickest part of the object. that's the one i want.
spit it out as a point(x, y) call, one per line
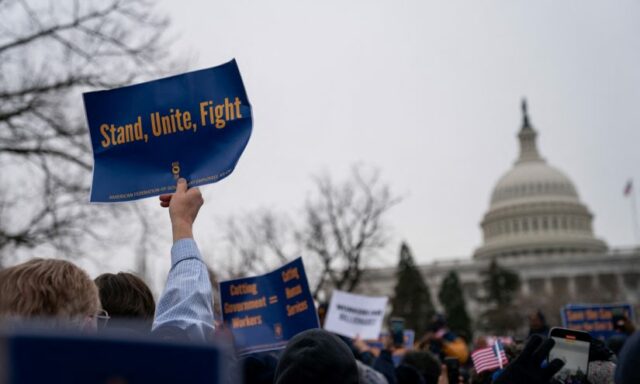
point(259, 368)
point(426, 363)
point(316, 356)
point(406, 374)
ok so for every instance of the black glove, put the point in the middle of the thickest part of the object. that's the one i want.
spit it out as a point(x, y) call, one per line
point(598, 351)
point(527, 368)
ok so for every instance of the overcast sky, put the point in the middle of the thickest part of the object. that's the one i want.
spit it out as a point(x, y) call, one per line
point(429, 93)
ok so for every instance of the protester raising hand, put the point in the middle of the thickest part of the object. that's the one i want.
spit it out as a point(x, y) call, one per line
point(183, 206)
point(361, 346)
point(528, 368)
point(185, 307)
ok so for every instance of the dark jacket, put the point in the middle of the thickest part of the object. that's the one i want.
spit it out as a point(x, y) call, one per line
point(627, 371)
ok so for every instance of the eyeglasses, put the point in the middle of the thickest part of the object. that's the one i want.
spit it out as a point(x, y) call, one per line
point(102, 317)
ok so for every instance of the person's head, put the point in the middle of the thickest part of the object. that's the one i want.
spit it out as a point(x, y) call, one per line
point(126, 296)
point(537, 320)
point(316, 356)
point(49, 288)
point(622, 324)
point(259, 368)
point(426, 363)
point(438, 321)
point(406, 374)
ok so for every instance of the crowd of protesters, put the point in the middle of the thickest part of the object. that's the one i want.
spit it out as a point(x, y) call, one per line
point(63, 293)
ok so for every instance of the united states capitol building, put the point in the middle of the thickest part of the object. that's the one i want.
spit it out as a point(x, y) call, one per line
point(537, 226)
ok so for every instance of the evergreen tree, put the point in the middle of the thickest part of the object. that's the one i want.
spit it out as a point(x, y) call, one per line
point(501, 287)
point(452, 300)
point(501, 284)
point(412, 299)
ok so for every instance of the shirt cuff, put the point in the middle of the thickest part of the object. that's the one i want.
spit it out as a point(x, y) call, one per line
point(184, 249)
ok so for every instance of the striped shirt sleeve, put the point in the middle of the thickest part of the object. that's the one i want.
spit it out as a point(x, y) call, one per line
point(186, 302)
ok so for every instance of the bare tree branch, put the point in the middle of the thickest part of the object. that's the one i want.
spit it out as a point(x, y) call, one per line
point(341, 227)
point(51, 54)
point(52, 30)
point(46, 151)
point(344, 227)
point(256, 243)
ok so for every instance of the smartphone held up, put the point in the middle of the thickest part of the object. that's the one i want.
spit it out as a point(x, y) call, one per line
point(573, 348)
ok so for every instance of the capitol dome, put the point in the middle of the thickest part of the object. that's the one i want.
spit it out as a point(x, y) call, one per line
point(535, 209)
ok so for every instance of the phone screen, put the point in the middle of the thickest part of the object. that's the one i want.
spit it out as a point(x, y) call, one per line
point(575, 354)
point(397, 331)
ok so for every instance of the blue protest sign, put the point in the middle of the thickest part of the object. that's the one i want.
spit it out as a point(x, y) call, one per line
point(56, 358)
point(409, 338)
point(264, 312)
point(597, 319)
point(145, 136)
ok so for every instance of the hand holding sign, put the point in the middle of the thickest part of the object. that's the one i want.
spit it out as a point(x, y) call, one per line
point(184, 206)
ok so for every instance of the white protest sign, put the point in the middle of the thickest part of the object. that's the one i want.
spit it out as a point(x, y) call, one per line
point(353, 315)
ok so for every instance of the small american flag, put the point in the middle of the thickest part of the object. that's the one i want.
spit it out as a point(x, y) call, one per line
point(628, 188)
point(489, 358)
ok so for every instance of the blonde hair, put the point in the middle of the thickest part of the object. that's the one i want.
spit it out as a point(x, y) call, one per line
point(47, 288)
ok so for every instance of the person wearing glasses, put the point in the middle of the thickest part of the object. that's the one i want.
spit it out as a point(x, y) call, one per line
point(61, 291)
point(128, 300)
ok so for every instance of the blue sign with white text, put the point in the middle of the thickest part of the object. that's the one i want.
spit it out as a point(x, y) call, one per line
point(264, 312)
point(596, 319)
point(146, 136)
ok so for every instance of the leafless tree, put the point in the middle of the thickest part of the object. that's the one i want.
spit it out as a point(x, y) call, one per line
point(256, 243)
point(51, 52)
point(340, 228)
point(344, 227)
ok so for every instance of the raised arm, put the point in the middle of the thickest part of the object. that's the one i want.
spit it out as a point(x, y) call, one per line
point(185, 307)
